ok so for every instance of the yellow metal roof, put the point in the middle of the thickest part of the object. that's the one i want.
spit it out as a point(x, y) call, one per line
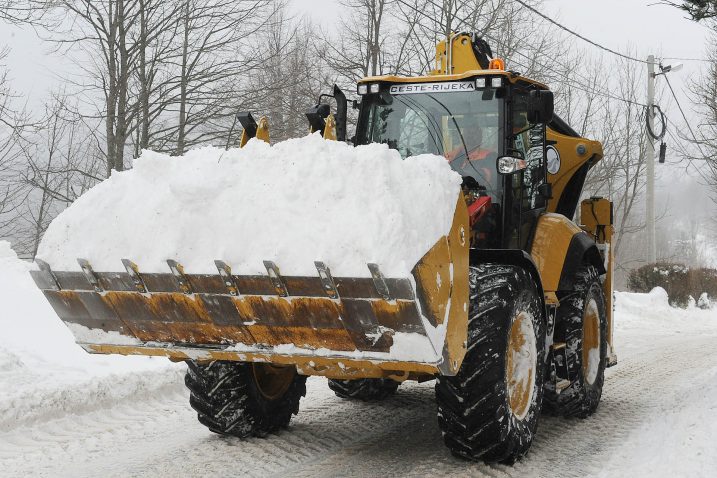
point(461, 76)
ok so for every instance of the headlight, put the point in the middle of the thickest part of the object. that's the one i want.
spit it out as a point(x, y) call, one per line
point(375, 87)
point(496, 82)
point(480, 82)
point(362, 89)
point(510, 165)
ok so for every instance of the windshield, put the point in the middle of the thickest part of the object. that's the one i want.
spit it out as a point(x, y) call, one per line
point(464, 127)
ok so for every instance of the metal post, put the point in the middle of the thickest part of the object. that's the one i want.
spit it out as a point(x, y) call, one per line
point(650, 157)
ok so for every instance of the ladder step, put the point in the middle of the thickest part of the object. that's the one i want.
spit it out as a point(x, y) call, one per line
point(562, 385)
point(558, 345)
point(611, 360)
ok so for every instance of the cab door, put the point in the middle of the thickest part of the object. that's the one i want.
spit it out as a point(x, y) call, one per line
point(528, 187)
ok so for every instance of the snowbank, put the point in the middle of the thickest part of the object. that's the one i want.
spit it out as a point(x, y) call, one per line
point(299, 201)
point(42, 371)
point(633, 310)
point(657, 298)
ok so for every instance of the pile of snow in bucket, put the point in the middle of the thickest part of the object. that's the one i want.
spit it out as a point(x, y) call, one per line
point(299, 201)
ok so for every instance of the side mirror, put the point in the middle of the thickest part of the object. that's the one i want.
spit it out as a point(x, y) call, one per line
point(541, 106)
point(509, 165)
point(341, 113)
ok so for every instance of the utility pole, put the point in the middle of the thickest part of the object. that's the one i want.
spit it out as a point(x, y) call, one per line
point(650, 157)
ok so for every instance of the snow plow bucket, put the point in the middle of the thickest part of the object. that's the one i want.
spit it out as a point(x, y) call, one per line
point(343, 261)
point(340, 327)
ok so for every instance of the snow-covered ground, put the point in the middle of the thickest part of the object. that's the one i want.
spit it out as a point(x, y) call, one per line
point(43, 374)
point(66, 413)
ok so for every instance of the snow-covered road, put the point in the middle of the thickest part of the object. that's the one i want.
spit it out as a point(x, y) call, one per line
point(658, 374)
point(658, 417)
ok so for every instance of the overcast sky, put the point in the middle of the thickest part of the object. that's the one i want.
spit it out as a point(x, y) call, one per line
point(621, 25)
point(617, 24)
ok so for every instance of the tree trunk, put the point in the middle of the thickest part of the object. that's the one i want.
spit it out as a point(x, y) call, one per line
point(182, 126)
point(122, 93)
point(143, 79)
point(111, 90)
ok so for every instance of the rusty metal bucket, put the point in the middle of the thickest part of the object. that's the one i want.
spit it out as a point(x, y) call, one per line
point(334, 326)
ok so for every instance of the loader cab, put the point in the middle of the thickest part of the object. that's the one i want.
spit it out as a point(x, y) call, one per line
point(476, 122)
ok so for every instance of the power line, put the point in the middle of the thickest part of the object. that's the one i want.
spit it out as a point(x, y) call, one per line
point(684, 117)
point(574, 33)
point(684, 153)
point(581, 86)
point(686, 59)
point(567, 80)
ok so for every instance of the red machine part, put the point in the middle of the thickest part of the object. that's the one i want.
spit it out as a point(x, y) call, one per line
point(478, 208)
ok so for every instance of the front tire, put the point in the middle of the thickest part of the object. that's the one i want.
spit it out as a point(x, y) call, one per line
point(489, 411)
point(244, 399)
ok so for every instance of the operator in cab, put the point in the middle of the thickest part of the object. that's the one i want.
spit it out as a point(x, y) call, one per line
point(473, 157)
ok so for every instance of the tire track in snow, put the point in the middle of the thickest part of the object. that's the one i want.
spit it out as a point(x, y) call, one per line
point(334, 437)
point(579, 447)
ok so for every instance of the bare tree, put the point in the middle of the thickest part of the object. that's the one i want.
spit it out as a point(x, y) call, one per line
point(154, 35)
point(360, 47)
point(23, 11)
point(618, 122)
point(701, 151)
point(59, 165)
point(166, 72)
point(14, 122)
point(697, 9)
point(102, 32)
point(291, 78)
point(511, 31)
point(215, 53)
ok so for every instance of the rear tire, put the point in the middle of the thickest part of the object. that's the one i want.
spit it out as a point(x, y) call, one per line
point(244, 399)
point(489, 411)
point(366, 389)
point(581, 323)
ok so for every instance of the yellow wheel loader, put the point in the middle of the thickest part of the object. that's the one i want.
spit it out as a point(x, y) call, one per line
point(516, 299)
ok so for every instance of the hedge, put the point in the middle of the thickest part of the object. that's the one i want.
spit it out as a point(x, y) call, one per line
point(680, 282)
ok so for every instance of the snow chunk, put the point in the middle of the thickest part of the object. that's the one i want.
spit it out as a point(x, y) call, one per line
point(298, 201)
point(656, 298)
point(704, 301)
point(407, 347)
point(85, 335)
point(9, 362)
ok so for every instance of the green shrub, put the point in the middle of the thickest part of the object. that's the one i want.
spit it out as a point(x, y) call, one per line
point(680, 281)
